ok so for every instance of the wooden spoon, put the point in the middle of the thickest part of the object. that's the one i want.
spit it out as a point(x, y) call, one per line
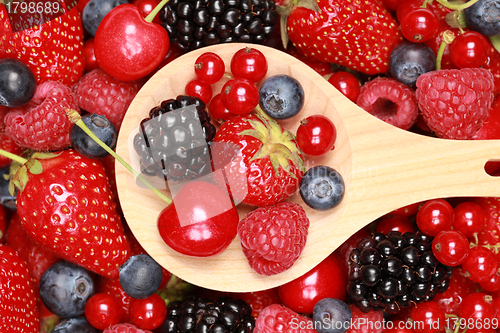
point(384, 168)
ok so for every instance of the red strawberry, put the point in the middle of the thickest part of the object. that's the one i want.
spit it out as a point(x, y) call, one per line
point(356, 34)
point(65, 204)
point(277, 318)
point(42, 124)
point(52, 50)
point(455, 102)
point(3, 224)
point(271, 161)
point(18, 307)
point(272, 238)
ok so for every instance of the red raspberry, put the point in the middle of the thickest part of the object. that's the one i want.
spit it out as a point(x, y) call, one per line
point(455, 102)
point(100, 93)
point(277, 318)
point(42, 124)
point(390, 101)
point(124, 328)
point(273, 237)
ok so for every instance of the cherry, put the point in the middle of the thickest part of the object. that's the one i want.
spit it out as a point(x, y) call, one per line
point(103, 310)
point(327, 280)
point(344, 250)
point(148, 313)
point(480, 264)
point(240, 96)
point(316, 135)
point(201, 221)
point(430, 316)
point(209, 68)
point(469, 218)
point(419, 25)
point(250, 64)
point(470, 49)
point(408, 210)
point(434, 216)
point(199, 89)
point(346, 83)
point(477, 311)
point(450, 247)
point(218, 111)
point(146, 7)
point(394, 223)
point(89, 55)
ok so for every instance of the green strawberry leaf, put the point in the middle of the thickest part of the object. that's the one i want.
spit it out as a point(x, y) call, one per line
point(34, 166)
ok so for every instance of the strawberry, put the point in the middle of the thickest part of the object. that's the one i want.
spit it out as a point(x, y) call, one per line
point(271, 161)
point(53, 50)
point(18, 307)
point(65, 204)
point(3, 224)
point(357, 34)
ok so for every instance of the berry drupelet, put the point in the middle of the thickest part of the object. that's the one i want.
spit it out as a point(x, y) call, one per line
point(391, 271)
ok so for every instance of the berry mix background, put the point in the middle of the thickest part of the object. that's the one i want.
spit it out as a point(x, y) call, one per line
point(69, 72)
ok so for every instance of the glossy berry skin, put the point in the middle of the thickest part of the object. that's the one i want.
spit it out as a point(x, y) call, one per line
point(240, 96)
point(468, 218)
point(148, 313)
point(322, 187)
point(281, 96)
point(430, 315)
point(450, 247)
point(249, 63)
point(470, 49)
point(218, 111)
point(346, 83)
point(316, 135)
point(484, 17)
point(209, 68)
point(17, 83)
point(89, 55)
point(395, 223)
point(197, 88)
point(75, 324)
point(419, 25)
point(435, 216)
point(146, 7)
point(480, 264)
point(140, 276)
point(409, 60)
point(328, 311)
point(103, 310)
point(94, 12)
point(327, 280)
point(477, 309)
point(102, 128)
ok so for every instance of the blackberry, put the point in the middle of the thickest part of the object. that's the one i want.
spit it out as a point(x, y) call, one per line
point(195, 314)
point(171, 143)
point(192, 24)
point(394, 270)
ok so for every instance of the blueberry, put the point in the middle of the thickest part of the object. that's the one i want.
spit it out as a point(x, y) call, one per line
point(65, 289)
point(281, 96)
point(322, 187)
point(102, 128)
point(484, 17)
point(140, 276)
point(6, 199)
point(74, 325)
point(17, 83)
point(331, 315)
point(95, 10)
point(410, 60)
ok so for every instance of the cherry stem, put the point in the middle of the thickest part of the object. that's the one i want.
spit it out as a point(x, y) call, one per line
point(457, 6)
point(76, 119)
point(448, 37)
point(14, 157)
point(424, 5)
point(156, 10)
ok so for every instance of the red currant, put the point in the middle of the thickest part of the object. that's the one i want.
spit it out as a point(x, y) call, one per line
point(316, 135)
point(103, 310)
point(148, 313)
point(419, 25)
point(480, 264)
point(450, 247)
point(406, 7)
point(209, 68)
point(434, 216)
point(199, 89)
point(89, 55)
point(217, 110)
point(469, 218)
point(493, 284)
point(470, 49)
point(346, 83)
point(430, 316)
point(250, 64)
point(395, 223)
point(240, 96)
point(477, 310)
point(460, 286)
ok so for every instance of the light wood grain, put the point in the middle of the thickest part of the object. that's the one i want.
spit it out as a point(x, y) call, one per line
point(384, 168)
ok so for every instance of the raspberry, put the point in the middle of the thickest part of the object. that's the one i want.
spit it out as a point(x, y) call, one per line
point(42, 124)
point(273, 237)
point(124, 328)
point(390, 101)
point(277, 318)
point(100, 93)
point(455, 102)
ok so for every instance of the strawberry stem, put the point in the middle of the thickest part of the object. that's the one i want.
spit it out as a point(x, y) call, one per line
point(76, 119)
point(156, 10)
point(14, 157)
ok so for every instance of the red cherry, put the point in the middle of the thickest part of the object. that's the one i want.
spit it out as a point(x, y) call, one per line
point(430, 316)
point(344, 250)
point(88, 54)
point(346, 83)
point(218, 111)
point(103, 310)
point(470, 49)
point(240, 96)
point(476, 311)
point(394, 223)
point(408, 210)
point(146, 7)
point(201, 221)
point(209, 68)
point(149, 313)
point(419, 25)
point(469, 218)
point(450, 247)
point(127, 46)
point(434, 216)
point(480, 264)
point(316, 135)
point(199, 89)
point(327, 279)
point(250, 64)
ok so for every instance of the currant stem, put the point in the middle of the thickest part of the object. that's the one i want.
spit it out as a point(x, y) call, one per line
point(14, 157)
point(156, 10)
point(448, 37)
point(456, 6)
point(76, 119)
